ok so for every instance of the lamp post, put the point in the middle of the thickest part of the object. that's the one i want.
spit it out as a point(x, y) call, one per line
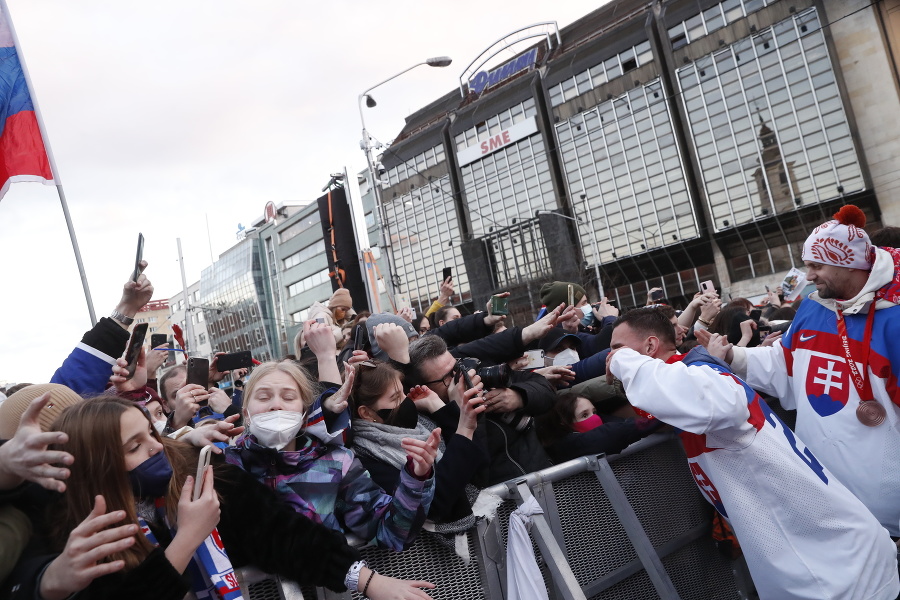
point(366, 146)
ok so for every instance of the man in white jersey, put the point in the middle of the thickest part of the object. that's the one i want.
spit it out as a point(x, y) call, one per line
point(848, 409)
point(804, 535)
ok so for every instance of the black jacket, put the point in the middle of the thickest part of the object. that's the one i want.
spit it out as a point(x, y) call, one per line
point(510, 439)
point(257, 528)
point(610, 438)
point(462, 330)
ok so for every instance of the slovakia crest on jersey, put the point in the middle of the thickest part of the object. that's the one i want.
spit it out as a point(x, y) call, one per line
point(827, 384)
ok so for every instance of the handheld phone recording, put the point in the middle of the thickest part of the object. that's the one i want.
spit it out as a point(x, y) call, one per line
point(158, 340)
point(499, 305)
point(535, 359)
point(138, 258)
point(656, 295)
point(235, 360)
point(202, 463)
point(707, 286)
point(198, 373)
point(133, 349)
point(448, 274)
point(570, 297)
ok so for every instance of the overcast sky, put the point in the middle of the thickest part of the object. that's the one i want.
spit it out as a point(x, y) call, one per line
point(162, 115)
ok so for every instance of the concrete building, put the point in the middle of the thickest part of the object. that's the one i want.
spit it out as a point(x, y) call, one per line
point(656, 144)
point(201, 345)
point(156, 314)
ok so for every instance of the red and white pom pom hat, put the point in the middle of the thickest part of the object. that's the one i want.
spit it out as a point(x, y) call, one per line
point(841, 242)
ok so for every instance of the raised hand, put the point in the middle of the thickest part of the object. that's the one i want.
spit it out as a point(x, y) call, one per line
point(187, 403)
point(557, 374)
point(719, 347)
point(135, 295)
point(542, 326)
point(340, 400)
point(208, 435)
point(83, 558)
point(423, 454)
point(426, 399)
point(26, 458)
point(393, 339)
point(120, 379)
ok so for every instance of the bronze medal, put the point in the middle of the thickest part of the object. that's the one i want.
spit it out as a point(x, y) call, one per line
point(870, 413)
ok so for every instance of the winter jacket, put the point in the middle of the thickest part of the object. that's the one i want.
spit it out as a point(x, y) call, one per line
point(612, 437)
point(257, 529)
point(88, 367)
point(807, 370)
point(329, 485)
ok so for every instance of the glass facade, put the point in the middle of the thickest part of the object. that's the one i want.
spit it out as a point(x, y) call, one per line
point(424, 239)
point(305, 254)
point(624, 172)
point(234, 299)
point(509, 184)
point(307, 283)
point(768, 125)
point(601, 73)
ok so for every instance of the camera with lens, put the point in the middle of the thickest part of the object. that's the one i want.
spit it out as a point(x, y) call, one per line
point(496, 376)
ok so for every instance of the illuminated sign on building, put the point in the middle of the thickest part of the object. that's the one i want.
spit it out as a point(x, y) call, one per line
point(502, 139)
point(485, 79)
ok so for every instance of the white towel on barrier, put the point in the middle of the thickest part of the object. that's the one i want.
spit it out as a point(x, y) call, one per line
point(523, 576)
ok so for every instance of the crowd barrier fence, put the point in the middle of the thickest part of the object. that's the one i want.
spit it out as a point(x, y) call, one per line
point(631, 526)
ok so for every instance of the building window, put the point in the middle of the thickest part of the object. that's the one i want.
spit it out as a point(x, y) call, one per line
point(151, 319)
point(297, 228)
point(202, 337)
point(627, 181)
point(316, 249)
point(308, 283)
point(768, 124)
point(300, 316)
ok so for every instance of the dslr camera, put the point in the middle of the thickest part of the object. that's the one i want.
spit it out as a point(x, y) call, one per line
point(492, 377)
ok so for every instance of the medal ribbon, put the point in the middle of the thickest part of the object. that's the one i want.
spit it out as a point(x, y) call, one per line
point(859, 379)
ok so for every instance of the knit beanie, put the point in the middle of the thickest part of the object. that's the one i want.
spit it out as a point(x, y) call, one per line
point(556, 292)
point(341, 298)
point(841, 242)
point(380, 318)
point(12, 408)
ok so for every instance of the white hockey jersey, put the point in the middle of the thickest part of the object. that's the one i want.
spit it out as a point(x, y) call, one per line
point(804, 535)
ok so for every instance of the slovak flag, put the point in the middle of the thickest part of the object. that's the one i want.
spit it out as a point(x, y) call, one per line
point(22, 153)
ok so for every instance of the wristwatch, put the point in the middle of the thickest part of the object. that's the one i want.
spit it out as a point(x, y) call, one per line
point(351, 580)
point(126, 321)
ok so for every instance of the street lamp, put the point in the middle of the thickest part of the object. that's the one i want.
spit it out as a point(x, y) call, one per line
point(366, 146)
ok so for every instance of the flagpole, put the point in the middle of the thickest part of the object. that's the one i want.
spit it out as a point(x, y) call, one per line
point(53, 169)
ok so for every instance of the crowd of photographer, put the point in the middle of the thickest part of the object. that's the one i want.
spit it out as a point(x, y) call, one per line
point(115, 484)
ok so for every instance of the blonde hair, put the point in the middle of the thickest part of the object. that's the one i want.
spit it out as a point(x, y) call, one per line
point(288, 367)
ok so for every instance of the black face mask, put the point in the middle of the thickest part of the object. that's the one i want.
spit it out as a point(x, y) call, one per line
point(405, 415)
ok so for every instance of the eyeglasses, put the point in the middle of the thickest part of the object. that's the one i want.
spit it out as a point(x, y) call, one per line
point(447, 379)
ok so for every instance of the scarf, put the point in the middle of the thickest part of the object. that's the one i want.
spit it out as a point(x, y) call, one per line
point(212, 575)
point(382, 441)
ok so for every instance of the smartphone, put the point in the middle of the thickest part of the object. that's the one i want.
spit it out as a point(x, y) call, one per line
point(133, 349)
point(235, 360)
point(198, 371)
point(499, 305)
point(535, 359)
point(571, 295)
point(657, 295)
point(202, 463)
point(448, 273)
point(138, 258)
point(767, 289)
point(707, 286)
point(158, 340)
point(755, 314)
point(360, 338)
point(402, 301)
point(764, 330)
point(320, 319)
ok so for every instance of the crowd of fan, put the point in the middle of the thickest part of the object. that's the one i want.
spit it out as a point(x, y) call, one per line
point(376, 424)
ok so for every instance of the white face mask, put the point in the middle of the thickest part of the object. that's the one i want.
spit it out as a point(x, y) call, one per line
point(566, 357)
point(276, 428)
point(159, 426)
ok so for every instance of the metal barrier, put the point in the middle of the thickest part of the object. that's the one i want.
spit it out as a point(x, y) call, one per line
point(633, 526)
